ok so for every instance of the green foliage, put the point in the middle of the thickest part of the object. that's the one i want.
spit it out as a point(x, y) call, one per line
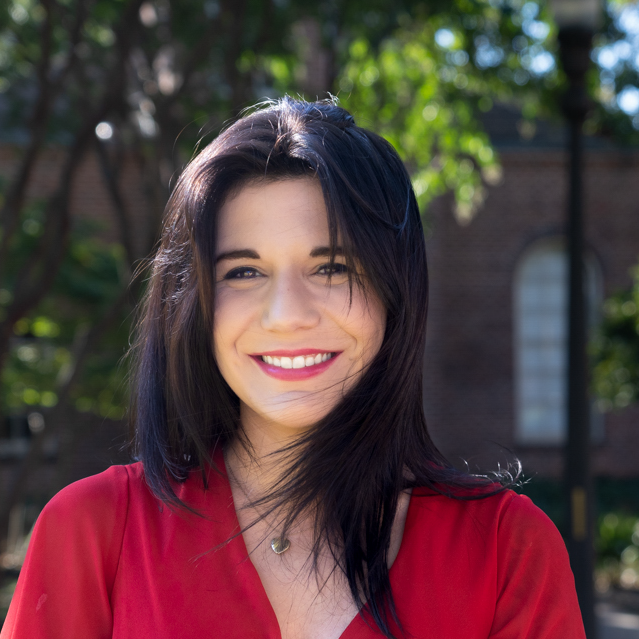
point(618, 551)
point(424, 83)
point(406, 94)
point(617, 532)
point(615, 350)
point(616, 81)
point(42, 352)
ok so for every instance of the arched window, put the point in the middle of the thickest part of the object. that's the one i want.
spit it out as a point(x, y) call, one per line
point(540, 334)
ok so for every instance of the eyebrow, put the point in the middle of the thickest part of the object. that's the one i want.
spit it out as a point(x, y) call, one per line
point(325, 251)
point(250, 254)
point(240, 254)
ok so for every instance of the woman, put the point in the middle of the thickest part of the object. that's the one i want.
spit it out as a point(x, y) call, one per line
point(287, 485)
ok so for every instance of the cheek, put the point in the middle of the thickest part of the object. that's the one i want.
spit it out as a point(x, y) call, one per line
point(366, 323)
point(228, 320)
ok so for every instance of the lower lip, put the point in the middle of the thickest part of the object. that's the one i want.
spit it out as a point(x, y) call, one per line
point(294, 374)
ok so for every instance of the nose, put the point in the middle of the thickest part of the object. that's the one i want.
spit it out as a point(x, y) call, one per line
point(289, 305)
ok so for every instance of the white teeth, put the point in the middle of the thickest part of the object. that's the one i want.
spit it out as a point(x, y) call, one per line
point(301, 361)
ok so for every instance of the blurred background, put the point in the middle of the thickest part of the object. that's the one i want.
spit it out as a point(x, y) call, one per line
point(103, 102)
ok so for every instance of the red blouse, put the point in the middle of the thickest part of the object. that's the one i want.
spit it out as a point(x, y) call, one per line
point(106, 559)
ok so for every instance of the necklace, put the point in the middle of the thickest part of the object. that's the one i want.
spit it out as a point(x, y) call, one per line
point(279, 545)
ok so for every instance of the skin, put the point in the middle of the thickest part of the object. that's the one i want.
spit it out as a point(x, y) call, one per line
point(281, 301)
point(273, 295)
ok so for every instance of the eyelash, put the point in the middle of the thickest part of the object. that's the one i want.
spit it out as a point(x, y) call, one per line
point(337, 267)
point(241, 273)
point(238, 273)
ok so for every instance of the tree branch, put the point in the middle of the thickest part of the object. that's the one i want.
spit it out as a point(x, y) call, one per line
point(10, 212)
point(39, 119)
point(117, 201)
point(50, 251)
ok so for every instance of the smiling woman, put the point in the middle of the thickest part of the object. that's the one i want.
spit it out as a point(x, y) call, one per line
point(280, 306)
point(285, 483)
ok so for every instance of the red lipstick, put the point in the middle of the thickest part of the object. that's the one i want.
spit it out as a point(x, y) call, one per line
point(294, 374)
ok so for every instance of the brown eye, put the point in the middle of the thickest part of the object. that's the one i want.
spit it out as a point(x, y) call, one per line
point(332, 269)
point(242, 273)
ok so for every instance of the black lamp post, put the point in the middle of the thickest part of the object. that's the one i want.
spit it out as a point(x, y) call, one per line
point(577, 21)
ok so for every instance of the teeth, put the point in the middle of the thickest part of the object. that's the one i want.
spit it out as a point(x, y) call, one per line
point(301, 361)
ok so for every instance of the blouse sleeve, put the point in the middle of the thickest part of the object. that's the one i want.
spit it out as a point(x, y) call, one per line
point(65, 585)
point(536, 596)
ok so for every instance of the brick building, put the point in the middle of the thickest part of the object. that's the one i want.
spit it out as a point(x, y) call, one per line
point(472, 387)
point(497, 285)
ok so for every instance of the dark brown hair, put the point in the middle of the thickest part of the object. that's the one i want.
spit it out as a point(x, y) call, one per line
point(350, 469)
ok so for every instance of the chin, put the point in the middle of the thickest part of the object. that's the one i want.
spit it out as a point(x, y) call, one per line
point(291, 415)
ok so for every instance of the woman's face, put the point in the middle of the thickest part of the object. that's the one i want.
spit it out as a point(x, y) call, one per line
point(288, 342)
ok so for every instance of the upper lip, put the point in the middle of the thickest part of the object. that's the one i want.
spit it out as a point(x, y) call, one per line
point(293, 353)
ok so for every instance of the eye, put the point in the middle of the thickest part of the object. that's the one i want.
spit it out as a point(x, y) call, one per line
point(242, 273)
point(333, 269)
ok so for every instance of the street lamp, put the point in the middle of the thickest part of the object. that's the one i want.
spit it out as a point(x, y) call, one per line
point(577, 21)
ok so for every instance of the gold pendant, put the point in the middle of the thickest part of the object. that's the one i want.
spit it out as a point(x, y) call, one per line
point(280, 545)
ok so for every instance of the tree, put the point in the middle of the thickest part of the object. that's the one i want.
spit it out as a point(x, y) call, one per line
point(615, 346)
point(141, 83)
point(118, 78)
point(615, 350)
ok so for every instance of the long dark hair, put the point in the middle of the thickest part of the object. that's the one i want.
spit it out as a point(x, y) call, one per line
point(350, 469)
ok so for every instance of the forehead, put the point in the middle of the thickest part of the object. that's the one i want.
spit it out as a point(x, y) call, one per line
point(285, 211)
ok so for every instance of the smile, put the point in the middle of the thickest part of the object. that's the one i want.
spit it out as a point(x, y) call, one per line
point(295, 366)
point(301, 361)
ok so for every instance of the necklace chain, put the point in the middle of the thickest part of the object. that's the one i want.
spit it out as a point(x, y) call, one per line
point(280, 544)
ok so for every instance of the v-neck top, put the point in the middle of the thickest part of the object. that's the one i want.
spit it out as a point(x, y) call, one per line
point(108, 560)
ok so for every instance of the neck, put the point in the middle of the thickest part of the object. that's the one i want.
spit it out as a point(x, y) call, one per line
point(255, 463)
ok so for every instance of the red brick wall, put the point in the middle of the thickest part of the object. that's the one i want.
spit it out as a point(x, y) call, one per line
point(468, 386)
point(90, 198)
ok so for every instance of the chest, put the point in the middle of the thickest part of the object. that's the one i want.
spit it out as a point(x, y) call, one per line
point(309, 602)
point(181, 577)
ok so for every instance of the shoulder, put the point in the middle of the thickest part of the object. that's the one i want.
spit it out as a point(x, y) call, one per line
point(95, 500)
point(73, 558)
point(505, 518)
point(526, 533)
point(514, 511)
point(484, 502)
point(517, 535)
point(505, 549)
point(522, 526)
